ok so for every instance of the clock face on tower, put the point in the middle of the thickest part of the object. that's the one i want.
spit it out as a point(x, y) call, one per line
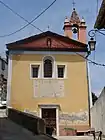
point(48, 88)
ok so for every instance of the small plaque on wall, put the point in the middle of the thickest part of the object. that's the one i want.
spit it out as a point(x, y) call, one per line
point(36, 87)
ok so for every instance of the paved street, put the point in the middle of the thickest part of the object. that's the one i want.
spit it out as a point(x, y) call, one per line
point(12, 131)
point(2, 113)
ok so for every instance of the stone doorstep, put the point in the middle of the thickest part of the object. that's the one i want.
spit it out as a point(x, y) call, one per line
point(74, 137)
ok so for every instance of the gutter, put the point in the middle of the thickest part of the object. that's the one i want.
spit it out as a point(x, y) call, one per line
point(89, 93)
point(88, 53)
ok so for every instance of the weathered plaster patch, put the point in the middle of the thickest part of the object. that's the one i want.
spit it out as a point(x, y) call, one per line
point(74, 118)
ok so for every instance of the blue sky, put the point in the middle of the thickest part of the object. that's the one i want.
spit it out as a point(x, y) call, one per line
point(53, 18)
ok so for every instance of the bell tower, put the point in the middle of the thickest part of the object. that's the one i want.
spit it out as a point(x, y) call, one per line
point(75, 26)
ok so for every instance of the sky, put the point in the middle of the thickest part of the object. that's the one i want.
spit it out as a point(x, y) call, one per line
point(54, 18)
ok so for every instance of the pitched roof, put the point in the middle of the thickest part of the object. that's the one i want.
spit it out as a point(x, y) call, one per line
point(100, 21)
point(38, 42)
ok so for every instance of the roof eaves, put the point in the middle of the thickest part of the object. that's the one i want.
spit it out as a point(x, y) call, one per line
point(77, 42)
point(51, 49)
point(25, 40)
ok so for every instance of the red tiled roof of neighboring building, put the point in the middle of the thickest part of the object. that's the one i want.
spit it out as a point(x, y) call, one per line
point(100, 21)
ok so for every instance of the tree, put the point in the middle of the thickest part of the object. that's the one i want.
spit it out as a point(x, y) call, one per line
point(94, 98)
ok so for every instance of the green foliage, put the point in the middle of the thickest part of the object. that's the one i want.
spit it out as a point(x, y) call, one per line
point(69, 128)
point(94, 98)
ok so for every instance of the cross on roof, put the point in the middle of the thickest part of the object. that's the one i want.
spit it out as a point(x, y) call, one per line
point(48, 27)
point(73, 4)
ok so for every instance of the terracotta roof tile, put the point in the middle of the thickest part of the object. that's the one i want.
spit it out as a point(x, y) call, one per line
point(100, 21)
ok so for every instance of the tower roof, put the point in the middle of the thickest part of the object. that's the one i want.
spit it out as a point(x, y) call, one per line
point(82, 20)
point(74, 19)
point(66, 20)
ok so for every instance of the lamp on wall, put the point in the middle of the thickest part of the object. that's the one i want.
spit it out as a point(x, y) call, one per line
point(92, 44)
point(92, 34)
point(92, 41)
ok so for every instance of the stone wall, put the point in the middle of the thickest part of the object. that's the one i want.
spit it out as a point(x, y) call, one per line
point(28, 121)
point(98, 113)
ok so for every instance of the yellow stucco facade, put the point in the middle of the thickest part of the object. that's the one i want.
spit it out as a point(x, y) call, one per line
point(65, 100)
point(75, 94)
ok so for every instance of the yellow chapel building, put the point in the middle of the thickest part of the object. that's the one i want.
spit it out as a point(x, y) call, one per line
point(48, 77)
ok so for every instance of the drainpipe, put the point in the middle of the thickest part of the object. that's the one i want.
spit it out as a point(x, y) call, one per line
point(88, 53)
point(89, 92)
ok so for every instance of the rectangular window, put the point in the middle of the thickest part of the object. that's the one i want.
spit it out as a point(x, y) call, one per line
point(61, 70)
point(2, 64)
point(34, 71)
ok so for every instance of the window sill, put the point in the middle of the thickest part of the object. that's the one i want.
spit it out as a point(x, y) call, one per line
point(61, 78)
point(34, 78)
point(48, 78)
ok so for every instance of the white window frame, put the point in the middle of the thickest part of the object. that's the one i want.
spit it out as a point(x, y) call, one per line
point(65, 70)
point(39, 71)
point(54, 69)
point(62, 67)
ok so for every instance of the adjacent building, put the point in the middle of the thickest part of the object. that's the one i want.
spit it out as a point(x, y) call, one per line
point(98, 113)
point(98, 110)
point(3, 79)
point(48, 77)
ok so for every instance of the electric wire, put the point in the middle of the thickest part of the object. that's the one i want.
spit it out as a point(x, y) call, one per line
point(30, 23)
point(6, 35)
point(8, 7)
point(89, 60)
point(97, 7)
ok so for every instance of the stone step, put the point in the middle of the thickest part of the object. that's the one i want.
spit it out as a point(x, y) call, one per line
point(2, 113)
point(74, 137)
